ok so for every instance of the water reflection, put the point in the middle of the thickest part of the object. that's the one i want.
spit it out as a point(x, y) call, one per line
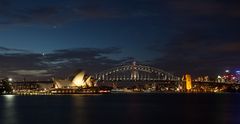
point(8, 110)
point(121, 109)
point(78, 109)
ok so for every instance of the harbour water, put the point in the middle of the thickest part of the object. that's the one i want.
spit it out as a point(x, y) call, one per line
point(121, 109)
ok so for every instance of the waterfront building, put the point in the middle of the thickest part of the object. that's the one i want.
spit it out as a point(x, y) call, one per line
point(80, 80)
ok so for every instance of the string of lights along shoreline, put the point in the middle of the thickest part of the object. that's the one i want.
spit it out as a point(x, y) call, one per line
point(129, 78)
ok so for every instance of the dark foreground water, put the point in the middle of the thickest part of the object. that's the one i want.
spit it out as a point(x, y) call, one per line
point(121, 108)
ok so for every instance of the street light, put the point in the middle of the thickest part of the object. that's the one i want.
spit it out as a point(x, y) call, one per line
point(227, 71)
point(10, 79)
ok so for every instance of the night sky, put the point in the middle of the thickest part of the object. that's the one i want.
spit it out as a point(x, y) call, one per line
point(40, 39)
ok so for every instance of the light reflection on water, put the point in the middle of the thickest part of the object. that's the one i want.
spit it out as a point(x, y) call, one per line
point(8, 111)
point(121, 109)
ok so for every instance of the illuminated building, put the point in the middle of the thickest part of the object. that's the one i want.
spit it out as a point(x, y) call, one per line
point(80, 80)
point(231, 76)
point(188, 82)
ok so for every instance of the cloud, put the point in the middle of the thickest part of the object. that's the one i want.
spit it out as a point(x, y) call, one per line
point(27, 16)
point(58, 63)
point(36, 73)
point(203, 34)
point(206, 7)
point(227, 48)
point(197, 53)
point(90, 59)
point(67, 11)
point(193, 13)
point(11, 50)
point(215, 17)
point(85, 52)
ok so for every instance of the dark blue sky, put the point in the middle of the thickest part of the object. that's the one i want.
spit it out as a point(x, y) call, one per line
point(200, 37)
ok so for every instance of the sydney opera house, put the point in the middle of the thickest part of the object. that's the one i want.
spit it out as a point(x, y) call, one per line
point(79, 81)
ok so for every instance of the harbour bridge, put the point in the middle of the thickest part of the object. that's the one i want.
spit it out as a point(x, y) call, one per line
point(145, 77)
point(135, 73)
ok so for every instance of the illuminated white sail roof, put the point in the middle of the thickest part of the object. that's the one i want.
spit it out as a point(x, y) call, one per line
point(79, 79)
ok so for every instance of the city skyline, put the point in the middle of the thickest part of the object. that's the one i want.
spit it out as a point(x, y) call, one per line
point(119, 61)
point(45, 39)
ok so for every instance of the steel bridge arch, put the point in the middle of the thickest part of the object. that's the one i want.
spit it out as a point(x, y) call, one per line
point(143, 73)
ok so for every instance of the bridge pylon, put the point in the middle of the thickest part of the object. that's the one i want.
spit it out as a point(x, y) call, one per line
point(187, 82)
point(134, 73)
